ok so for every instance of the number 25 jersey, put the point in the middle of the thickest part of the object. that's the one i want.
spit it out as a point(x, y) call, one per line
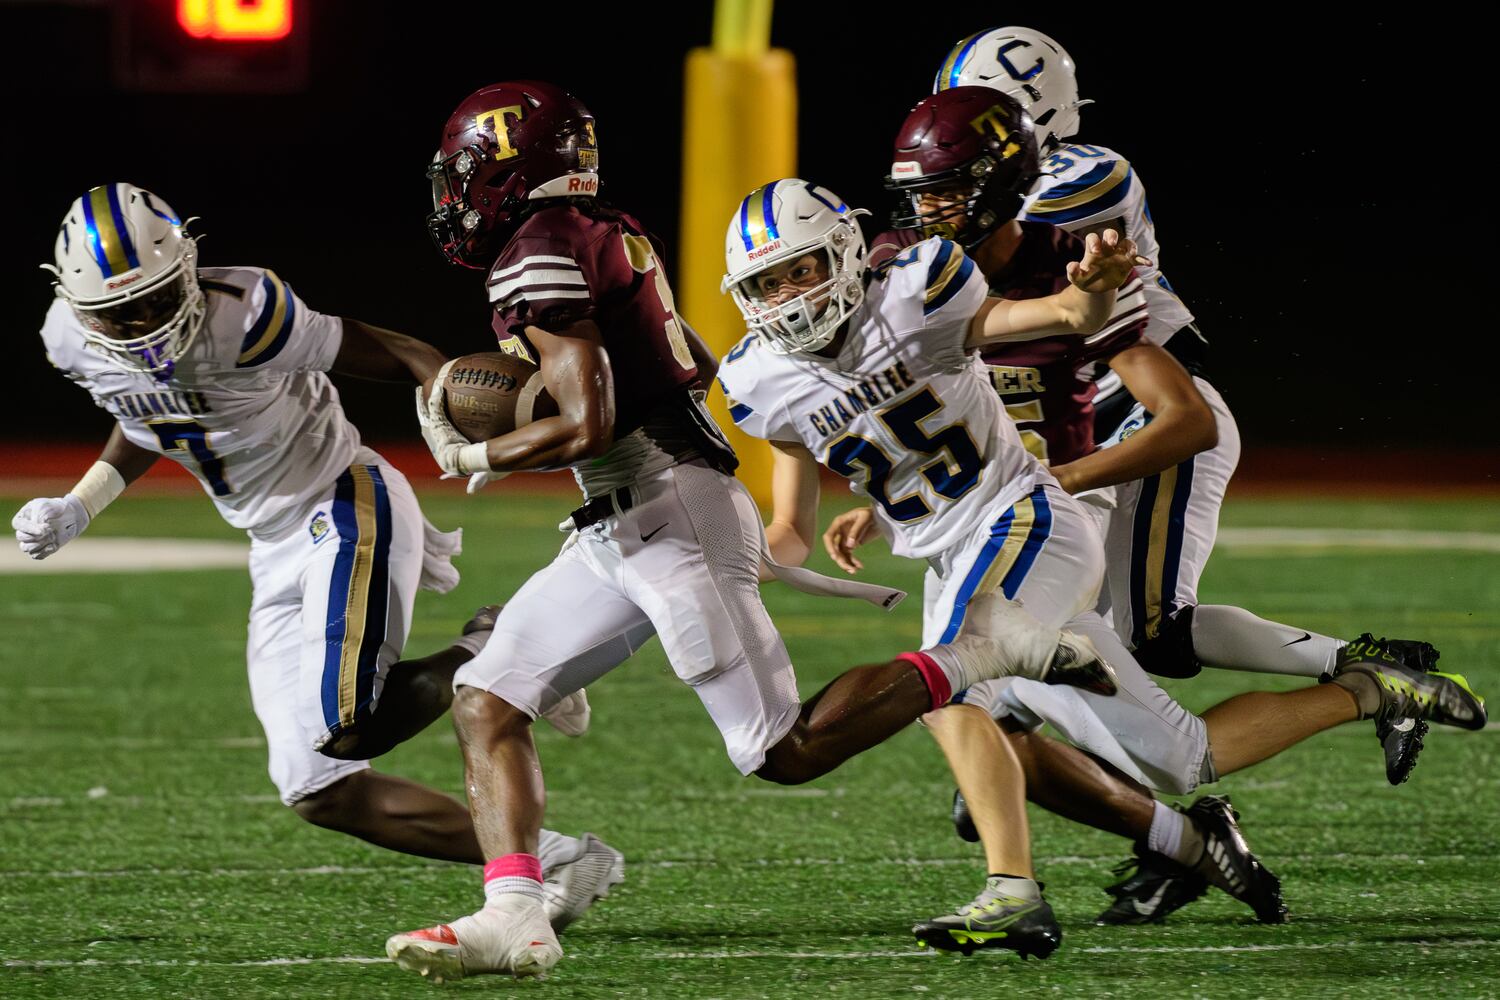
point(904, 410)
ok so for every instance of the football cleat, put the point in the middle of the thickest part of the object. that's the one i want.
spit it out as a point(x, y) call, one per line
point(1400, 738)
point(1154, 886)
point(570, 889)
point(1078, 663)
point(1406, 692)
point(508, 936)
point(1228, 863)
point(994, 919)
point(963, 823)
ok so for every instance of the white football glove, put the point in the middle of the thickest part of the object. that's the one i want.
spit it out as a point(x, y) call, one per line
point(46, 524)
point(443, 439)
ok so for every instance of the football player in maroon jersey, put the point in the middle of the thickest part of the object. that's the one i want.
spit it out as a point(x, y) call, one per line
point(667, 542)
point(963, 160)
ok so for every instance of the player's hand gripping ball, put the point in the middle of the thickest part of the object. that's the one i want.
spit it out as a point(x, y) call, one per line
point(488, 395)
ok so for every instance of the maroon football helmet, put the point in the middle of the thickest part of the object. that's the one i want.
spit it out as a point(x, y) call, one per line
point(972, 146)
point(506, 144)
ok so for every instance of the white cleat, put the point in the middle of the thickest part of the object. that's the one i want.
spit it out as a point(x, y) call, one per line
point(572, 888)
point(999, 638)
point(509, 936)
point(571, 715)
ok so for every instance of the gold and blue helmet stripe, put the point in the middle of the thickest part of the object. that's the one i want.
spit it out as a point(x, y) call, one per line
point(758, 217)
point(954, 65)
point(108, 238)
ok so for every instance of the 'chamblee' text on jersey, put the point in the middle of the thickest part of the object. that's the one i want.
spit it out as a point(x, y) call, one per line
point(248, 409)
point(566, 264)
point(1082, 186)
point(904, 410)
point(1048, 383)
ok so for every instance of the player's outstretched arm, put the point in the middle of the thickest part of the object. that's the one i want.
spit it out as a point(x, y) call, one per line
point(384, 355)
point(1083, 307)
point(46, 524)
point(794, 504)
point(1181, 424)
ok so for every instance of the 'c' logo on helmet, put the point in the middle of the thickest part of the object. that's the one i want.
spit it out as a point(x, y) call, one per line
point(497, 124)
point(994, 120)
point(1016, 74)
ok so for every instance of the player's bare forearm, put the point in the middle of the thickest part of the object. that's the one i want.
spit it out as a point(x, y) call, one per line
point(794, 503)
point(372, 352)
point(1070, 311)
point(1181, 424)
point(130, 460)
point(576, 371)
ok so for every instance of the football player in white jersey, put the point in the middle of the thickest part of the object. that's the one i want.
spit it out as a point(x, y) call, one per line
point(1086, 188)
point(890, 395)
point(224, 370)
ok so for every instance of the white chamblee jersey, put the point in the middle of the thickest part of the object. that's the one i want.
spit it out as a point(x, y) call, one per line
point(1082, 186)
point(248, 409)
point(904, 411)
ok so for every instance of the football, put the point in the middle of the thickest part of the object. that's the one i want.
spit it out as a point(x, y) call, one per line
point(491, 394)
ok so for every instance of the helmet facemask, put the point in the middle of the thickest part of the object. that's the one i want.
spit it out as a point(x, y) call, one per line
point(170, 310)
point(809, 321)
point(461, 232)
point(969, 212)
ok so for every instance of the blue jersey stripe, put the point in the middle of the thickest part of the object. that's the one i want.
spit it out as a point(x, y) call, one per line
point(739, 411)
point(1108, 200)
point(952, 288)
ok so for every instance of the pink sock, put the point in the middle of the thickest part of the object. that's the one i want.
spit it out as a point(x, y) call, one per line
point(512, 873)
point(932, 675)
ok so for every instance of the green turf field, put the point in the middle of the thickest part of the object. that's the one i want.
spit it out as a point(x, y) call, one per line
point(143, 852)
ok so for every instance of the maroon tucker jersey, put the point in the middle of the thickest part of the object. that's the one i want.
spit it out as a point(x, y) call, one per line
point(564, 265)
point(1047, 384)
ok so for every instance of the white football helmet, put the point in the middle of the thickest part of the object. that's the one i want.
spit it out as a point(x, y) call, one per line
point(781, 222)
point(128, 267)
point(1025, 64)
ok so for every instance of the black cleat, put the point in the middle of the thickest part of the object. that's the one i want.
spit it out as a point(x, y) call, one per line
point(1409, 693)
point(1155, 887)
point(994, 920)
point(1228, 863)
point(1400, 738)
point(963, 823)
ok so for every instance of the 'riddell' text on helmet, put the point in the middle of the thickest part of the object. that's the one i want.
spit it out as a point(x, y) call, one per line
point(505, 146)
point(778, 224)
point(126, 264)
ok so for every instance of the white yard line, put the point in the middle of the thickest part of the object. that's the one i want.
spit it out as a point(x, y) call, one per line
point(720, 956)
point(129, 555)
point(1357, 538)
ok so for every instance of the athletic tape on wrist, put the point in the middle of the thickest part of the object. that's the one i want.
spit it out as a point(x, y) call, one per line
point(98, 487)
point(474, 458)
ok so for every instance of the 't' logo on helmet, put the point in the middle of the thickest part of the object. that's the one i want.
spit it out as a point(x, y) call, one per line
point(994, 119)
point(496, 119)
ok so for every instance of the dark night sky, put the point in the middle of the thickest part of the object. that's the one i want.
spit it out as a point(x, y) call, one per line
point(1296, 170)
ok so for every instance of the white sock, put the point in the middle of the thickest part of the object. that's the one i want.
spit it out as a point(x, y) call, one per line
point(1165, 835)
point(1234, 639)
point(555, 849)
point(1009, 642)
point(473, 642)
point(1021, 888)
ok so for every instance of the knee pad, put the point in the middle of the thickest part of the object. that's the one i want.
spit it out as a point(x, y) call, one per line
point(1170, 653)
